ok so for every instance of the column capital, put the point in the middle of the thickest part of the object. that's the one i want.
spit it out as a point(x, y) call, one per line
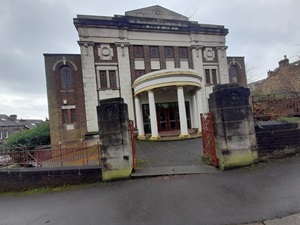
point(222, 48)
point(197, 47)
point(122, 44)
point(86, 43)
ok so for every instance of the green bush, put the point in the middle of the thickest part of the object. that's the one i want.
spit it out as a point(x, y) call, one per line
point(40, 135)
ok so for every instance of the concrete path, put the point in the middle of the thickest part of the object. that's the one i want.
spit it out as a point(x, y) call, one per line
point(170, 158)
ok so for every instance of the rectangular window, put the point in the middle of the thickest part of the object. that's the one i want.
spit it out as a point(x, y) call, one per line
point(139, 73)
point(138, 51)
point(6, 134)
point(211, 76)
point(154, 52)
point(69, 116)
point(183, 52)
point(103, 79)
point(169, 53)
point(214, 76)
point(112, 79)
point(0, 135)
point(207, 76)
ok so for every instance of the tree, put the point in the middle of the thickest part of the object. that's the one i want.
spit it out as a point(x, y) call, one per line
point(40, 135)
point(290, 82)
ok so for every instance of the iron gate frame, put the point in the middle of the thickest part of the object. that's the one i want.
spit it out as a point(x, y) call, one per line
point(208, 137)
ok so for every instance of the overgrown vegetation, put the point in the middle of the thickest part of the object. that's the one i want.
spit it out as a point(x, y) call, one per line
point(39, 135)
point(289, 119)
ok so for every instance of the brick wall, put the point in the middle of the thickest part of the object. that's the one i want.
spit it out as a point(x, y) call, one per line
point(273, 136)
point(56, 96)
point(30, 178)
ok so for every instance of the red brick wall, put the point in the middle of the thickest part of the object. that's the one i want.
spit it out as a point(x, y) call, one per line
point(58, 132)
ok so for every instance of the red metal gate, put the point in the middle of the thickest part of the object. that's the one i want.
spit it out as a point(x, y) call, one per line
point(208, 138)
point(133, 145)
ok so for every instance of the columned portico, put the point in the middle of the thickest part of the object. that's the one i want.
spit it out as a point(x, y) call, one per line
point(139, 118)
point(172, 113)
point(184, 133)
point(153, 119)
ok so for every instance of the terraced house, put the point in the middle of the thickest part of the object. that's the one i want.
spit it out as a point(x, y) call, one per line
point(162, 64)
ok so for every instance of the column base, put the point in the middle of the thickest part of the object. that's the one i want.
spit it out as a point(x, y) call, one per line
point(184, 136)
point(199, 132)
point(154, 138)
point(141, 137)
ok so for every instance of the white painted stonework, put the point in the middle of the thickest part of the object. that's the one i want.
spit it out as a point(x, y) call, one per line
point(160, 86)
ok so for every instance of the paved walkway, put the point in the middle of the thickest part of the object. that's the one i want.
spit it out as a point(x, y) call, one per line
point(170, 158)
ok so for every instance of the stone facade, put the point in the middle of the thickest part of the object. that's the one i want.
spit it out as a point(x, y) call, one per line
point(118, 51)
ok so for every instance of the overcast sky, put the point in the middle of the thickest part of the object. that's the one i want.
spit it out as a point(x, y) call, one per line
point(262, 31)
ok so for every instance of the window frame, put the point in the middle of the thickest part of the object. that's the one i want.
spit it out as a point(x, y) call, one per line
point(69, 115)
point(185, 55)
point(109, 81)
point(66, 79)
point(138, 51)
point(169, 52)
point(154, 52)
point(6, 135)
point(212, 74)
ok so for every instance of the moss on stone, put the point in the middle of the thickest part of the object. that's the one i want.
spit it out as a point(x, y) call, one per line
point(237, 158)
point(116, 174)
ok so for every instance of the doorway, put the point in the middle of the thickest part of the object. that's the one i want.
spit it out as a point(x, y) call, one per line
point(167, 116)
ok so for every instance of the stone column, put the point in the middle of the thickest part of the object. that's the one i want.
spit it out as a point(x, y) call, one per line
point(199, 108)
point(153, 119)
point(139, 118)
point(89, 84)
point(184, 133)
point(195, 112)
point(124, 76)
point(114, 136)
point(233, 126)
point(223, 67)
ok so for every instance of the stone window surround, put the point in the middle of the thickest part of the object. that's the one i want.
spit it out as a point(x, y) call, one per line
point(70, 118)
point(107, 68)
point(210, 68)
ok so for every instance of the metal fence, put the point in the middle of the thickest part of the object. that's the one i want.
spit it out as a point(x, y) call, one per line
point(269, 107)
point(50, 157)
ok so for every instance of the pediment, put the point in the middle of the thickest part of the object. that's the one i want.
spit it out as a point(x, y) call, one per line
point(157, 12)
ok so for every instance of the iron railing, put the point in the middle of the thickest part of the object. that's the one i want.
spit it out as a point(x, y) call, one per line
point(270, 107)
point(50, 157)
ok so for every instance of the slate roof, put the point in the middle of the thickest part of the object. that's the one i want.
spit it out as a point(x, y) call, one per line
point(29, 123)
point(6, 121)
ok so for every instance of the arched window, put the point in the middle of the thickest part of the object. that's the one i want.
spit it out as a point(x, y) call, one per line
point(66, 79)
point(233, 74)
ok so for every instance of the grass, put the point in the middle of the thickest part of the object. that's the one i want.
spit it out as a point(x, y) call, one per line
point(289, 119)
point(48, 189)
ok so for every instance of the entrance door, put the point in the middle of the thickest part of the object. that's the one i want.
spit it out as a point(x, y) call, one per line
point(167, 119)
point(167, 116)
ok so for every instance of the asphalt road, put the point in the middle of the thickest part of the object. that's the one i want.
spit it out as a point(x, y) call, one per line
point(251, 194)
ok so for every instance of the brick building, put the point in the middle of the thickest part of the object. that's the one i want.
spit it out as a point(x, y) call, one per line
point(11, 124)
point(163, 66)
point(283, 81)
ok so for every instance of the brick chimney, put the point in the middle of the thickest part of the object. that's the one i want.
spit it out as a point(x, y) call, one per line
point(284, 62)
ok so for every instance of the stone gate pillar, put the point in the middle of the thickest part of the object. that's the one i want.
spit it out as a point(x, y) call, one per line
point(115, 143)
point(233, 125)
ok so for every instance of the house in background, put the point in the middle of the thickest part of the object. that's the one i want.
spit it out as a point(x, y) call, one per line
point(283, 81)
point(162, 64)
point(10, 124)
